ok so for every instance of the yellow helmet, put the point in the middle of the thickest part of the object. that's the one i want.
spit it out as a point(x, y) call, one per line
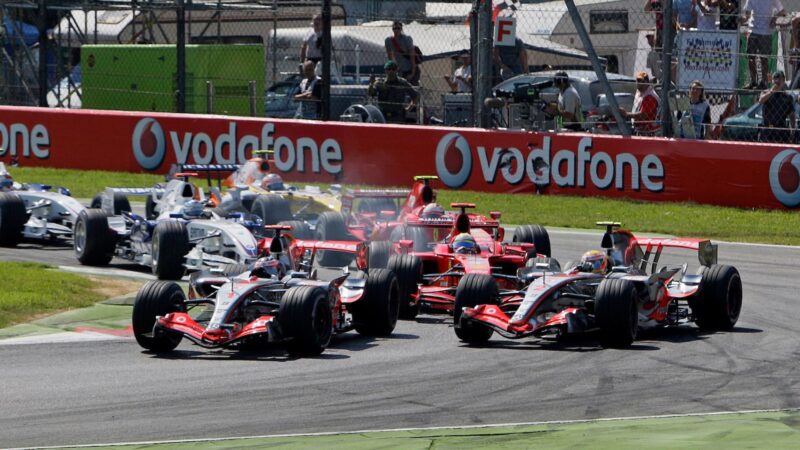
point(594, 261)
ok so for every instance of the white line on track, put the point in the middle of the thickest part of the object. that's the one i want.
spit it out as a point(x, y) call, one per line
point(462, 427)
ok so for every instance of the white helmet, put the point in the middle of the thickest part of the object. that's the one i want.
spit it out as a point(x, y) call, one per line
point(432, 210)
point(272, 182)
point(192, 208)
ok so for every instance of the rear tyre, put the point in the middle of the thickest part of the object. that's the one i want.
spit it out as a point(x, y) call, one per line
point(150, 208)
point(92, 239)
point(473, 290)
point(170, 246)
point(408, 270)
point(331, 227)
point(156, 298)
point(13, 216)
point(272, 209)
point(533, 234)
point(617, 312)
point(379, 252)
point(719, 302)
point(121, 203)
point(376, 313)
point(376, 205)
point(305, 318)
point(300, 229)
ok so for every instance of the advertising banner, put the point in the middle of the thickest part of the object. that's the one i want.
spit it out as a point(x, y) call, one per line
point(750, 175)
point(708, 56)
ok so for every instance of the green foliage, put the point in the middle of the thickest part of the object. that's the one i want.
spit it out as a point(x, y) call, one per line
point(36, 289)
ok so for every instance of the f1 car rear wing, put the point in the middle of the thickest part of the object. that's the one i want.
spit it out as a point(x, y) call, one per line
point(360, 249)
point(706, 251)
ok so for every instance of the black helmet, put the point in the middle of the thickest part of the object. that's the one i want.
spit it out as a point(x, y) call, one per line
point(560, 77)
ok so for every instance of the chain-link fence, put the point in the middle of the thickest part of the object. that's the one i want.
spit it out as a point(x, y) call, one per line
point(247, 57)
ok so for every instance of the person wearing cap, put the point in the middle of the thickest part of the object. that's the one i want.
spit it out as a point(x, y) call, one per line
point(777, 106)
point(461, 81)
point(569, 103)
point(392, 93)
point(764, 14)
point(400, 49)
point(646, 106)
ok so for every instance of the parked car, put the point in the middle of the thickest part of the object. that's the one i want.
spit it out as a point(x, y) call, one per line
point(744, 126)
point(593, 97)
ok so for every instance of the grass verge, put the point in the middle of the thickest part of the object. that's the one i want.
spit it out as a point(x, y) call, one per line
point(35, 290)
point(680, 219)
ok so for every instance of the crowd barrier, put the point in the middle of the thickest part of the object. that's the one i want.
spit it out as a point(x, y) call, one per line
point(746, 175)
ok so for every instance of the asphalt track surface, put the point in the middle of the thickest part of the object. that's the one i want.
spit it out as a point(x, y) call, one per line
point(112, 391)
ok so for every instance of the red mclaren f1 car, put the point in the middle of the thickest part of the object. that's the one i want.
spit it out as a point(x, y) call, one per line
point(270, 302)
point(633, 293)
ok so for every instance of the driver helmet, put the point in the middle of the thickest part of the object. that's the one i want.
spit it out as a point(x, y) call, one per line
point(594, 261)
point(192, 208)
point(272, 182)
point(266, 267)
point(465, 243)
point(432, 210)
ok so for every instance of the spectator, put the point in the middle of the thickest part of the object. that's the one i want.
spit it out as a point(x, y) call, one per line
point(655, 7)
point(310, 94)
point(311, 49)
point(776, 106)
point(646, 106)
point(706, 12)
point(400, 49)
point(511, 59)
point(569, 103)
point(764, 14)
point(461, 81)
point(653, 59)
point(684, 14)
point(729, 15)
point(392, 93)
point(700, 110)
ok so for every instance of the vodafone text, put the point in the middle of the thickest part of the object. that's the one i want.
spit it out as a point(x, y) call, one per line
point(17, 140)
point(564, 168)
point(300, 154)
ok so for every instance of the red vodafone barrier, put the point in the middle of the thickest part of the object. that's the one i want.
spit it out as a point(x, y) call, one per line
point(722, 173)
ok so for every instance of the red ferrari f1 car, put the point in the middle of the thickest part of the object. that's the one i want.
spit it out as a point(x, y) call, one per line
point(617, 295)
point(270, 302)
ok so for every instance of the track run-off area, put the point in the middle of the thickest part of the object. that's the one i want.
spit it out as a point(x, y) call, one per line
point(106, 390)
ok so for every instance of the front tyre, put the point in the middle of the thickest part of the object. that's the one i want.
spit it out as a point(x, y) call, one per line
point(617, 313)
point(408, 269)
point(473, 290)
point(156, 298)
point(13, 217)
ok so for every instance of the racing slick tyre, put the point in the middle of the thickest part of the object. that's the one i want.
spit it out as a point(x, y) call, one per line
point(121, 203)
point(534, 234)
point(92, 239)
point(617, 312)
point(473, 289)
point(379, 252)
point(331, 227)
point(408, 270)
point(170, 246)
point(305, 318)
point(376, 313)
point(719, 302)
point(233, 269)
point(271, 208)
point(300, 229)
point(156, 298)
point(150, 208)
point(13, 216)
